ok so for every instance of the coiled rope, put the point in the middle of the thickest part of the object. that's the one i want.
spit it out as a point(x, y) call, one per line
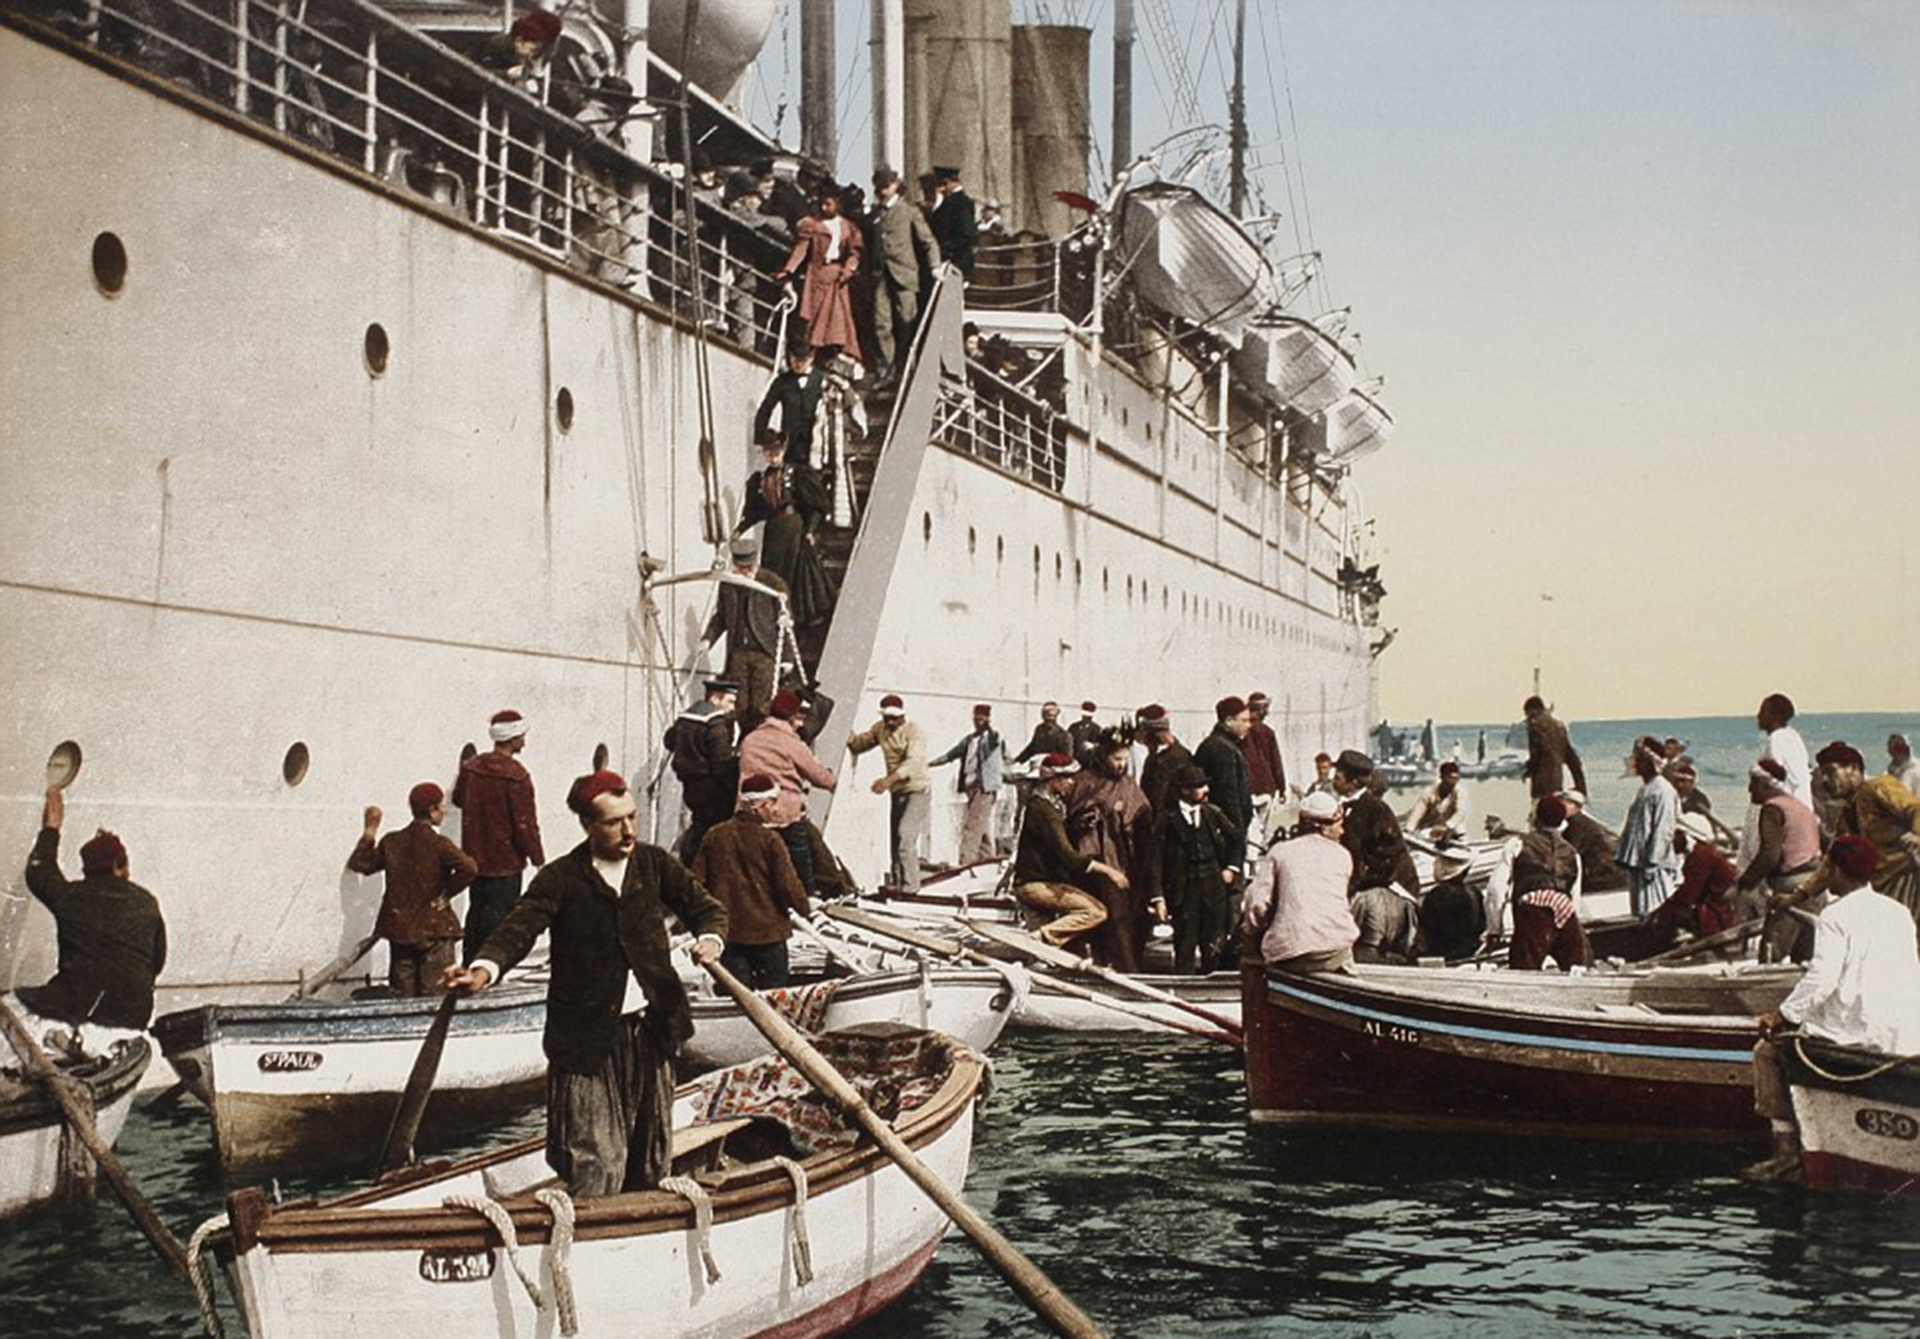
point(1800, 1049)
point(201, 1277)
point(502, 1223)
point(800, 1247)
point(689, 1189)
point(559, 1248)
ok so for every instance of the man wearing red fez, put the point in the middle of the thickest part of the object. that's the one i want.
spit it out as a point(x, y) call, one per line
point(424, 873)
point(1879, 809)
point(1862, 990)
point(982, 756)
point(112, 939)
point(745, 864)
point(1221, 757)
point(1538, 883)
point(1266, 774)
point(903, 748)
point(609, 1073)
point(518, 53)
point(499, 825)
point(775, 750)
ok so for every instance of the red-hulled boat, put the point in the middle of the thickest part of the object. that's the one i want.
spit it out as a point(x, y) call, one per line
point(1859, 1117)
point(1656, 1054)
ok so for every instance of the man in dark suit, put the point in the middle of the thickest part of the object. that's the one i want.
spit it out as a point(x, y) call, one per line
point(795, 396)
point(609, 1077)
point(1550, 753)
point(954, 222)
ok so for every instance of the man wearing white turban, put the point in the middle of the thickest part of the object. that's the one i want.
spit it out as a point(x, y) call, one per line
point(499, 826)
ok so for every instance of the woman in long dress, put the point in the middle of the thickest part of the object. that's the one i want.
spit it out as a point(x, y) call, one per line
point(829, 246)
point(792, 501)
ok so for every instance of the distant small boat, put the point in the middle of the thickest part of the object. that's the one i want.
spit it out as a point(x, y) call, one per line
point(1657, 1054)
point(34, 1143)
point(316, 1081)
point(796, 1248)
point(969, 1004)
point(1858, 1113)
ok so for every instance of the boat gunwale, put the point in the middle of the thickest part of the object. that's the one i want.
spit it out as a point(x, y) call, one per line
point(35, 1109)
point(865, 985)
point(354, 1222)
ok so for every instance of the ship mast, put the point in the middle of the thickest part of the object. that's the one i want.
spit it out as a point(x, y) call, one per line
point(819, 134)
point(1237, 114)
point(1122, 84)
point(889, 62)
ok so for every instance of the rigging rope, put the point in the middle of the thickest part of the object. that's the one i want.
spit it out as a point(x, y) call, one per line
point(800, 1247)
point(691, 1190)
point(201, 1277)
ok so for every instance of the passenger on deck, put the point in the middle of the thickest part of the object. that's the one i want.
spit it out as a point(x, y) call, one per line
point(518, 54)
point(750, 619)
point(1220, 757)
point(1108, 817)
point(113, 941)
point(1786, 853)
point(703, 743)
point(903, 748)
point(1385, 886)
point(904, 249)
point(1049, 736)
point(1900, 764)
point(499, 825)
point(794, 396)
point(790, 502)
point(982, 756)
point(829, 247)
point(1883, 811)
point(1596, 844)
point(1266, 774)
point(1861, 989)
point(955, 225)
point(747, 866)
point(776, 750)
point(1084, 733)
point(1550, 753)
point(1646, 839)
point(1538, 879)
point(425, 872)
point(1297, 915)
point(1167, 759)
point(1046, 867)
point(1201, 861)
point(1700, 906)
point(609, 1072)
point(1441, 810)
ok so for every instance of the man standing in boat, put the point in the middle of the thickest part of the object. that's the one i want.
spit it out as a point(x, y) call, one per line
point(1296, 915)
point(113, 941)
point(1225, 764)
point(609, 1074)
point(499, 825)
point(1550, 752)
point(1385, 885)
point(703, 742)
point(1266, 774)
point(1881, 810)
point(1861, 989)
point(1538, 879)
point(775, 750)
point(1167, 760)
point(1786, 853)
point(745, 864)
point(1646, 839)
point(1201, 857)
point(425, 872)
point(1108, 817)
point(905, 783)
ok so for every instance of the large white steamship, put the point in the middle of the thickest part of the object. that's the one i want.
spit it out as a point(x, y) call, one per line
point(353, 392)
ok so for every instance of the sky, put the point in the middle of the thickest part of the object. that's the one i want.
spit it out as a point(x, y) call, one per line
point(1643, 280)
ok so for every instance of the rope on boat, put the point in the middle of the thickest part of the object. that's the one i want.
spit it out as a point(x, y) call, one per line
point(691, 1190)
point(1800, 1049)
point(497, 1217)
point(801, 1248)
point(559, 1247)
point(201, 1277)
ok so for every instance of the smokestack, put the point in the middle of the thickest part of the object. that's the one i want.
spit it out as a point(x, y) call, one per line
point(1122, 85)
point(1050, 125)
point(959, 113)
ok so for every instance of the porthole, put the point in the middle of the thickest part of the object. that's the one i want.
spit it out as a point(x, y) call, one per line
point(972, 539)
point(377, 349)
point(926, 527)
point(1076, 571)
point(1000, 549)
point(1129, 590)
point(1059, 567)
point(600, 756)
point(469, 751)
point(293, 768)
point(109, 263)
point(1036, 560)
point(1106, 581)
point(563, 409)
point(63, 764)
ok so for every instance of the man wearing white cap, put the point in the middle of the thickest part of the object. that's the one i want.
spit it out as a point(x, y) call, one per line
point(1296, 910)
point(1786, 851)
point(903, 747)
point(1046, 864)
point(499, 826)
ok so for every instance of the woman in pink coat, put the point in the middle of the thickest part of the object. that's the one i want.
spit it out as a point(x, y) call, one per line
point(829, 245)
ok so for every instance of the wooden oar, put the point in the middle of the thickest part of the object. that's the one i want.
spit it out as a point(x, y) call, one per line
point(1694, 948)
point(839, 953)
point(1039, 951)
point(1039, 1291)
point(947, 948)
point(312, 984)
point(164, 1242)
point(397, 1151)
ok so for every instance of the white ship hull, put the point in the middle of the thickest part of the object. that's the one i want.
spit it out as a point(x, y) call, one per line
point(224, 537)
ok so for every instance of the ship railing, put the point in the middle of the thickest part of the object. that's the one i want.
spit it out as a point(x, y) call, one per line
point(993, 420)
point(1029, 272)
point(359, 86)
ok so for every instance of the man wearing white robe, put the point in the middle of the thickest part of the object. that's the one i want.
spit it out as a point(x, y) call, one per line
point(1646, 838)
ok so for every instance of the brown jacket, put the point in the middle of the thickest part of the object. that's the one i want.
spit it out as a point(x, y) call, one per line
point(1550, 756)
point(499, 827)
point(424, 872)
point(745, 864)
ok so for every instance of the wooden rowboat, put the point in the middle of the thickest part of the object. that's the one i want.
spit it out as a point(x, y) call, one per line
point(39, 1159)
point(969, 1004)
point(316, 1081)
point(1655, 1054)
point(794, 1248)
point(1858, 1114)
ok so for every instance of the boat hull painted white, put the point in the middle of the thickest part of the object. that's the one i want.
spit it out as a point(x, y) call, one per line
point(30, 1153)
